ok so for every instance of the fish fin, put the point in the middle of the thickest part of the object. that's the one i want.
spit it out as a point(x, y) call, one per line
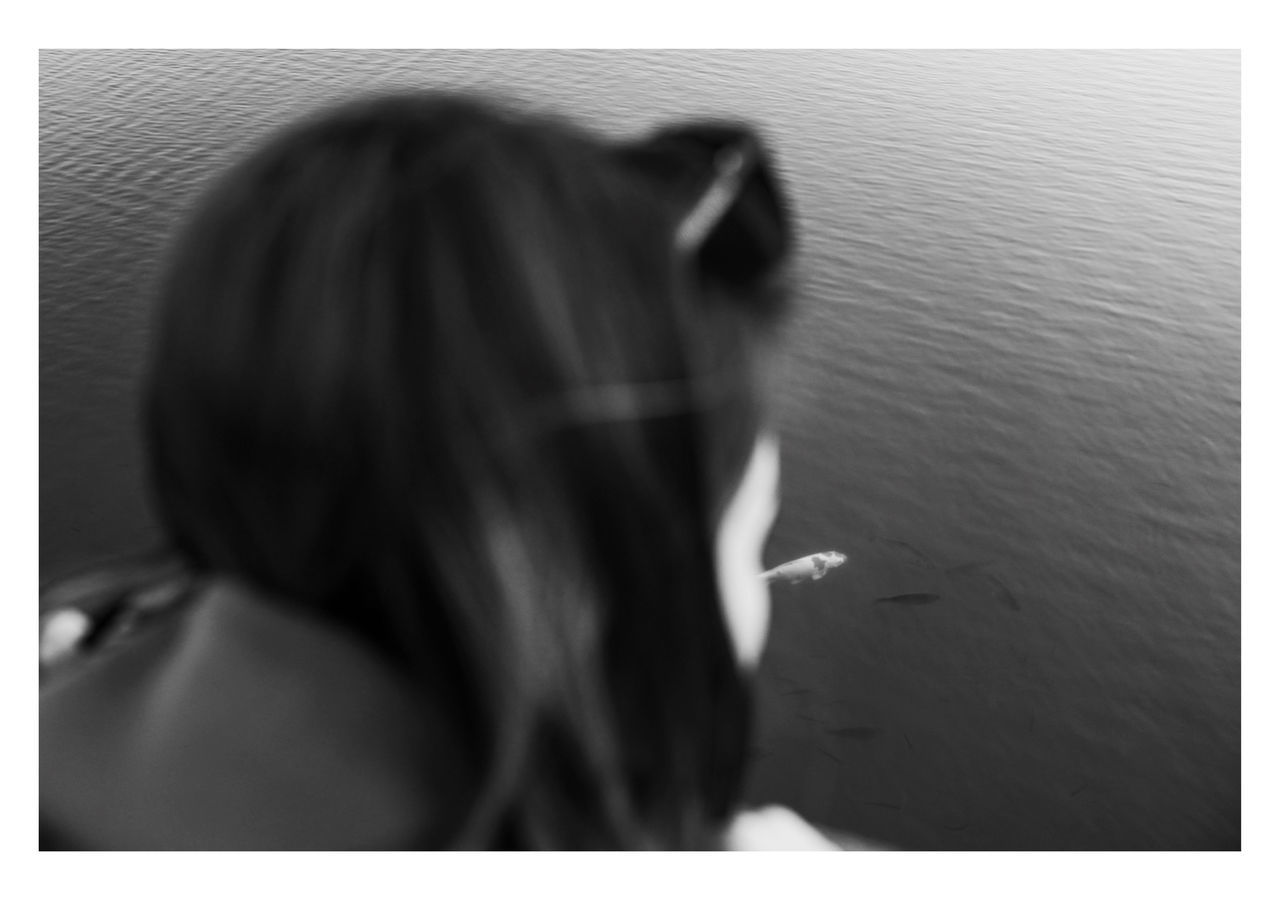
point(913, 556)
point(1003, 593)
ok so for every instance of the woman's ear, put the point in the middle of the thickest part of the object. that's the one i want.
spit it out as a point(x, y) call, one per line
point(708, 212)
point(734, 224)
point(737, 230)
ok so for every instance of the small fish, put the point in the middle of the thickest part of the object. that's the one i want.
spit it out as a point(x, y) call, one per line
point(830, 755)
point(806, 568)
point(862, 733)
point(1003, 594)
point(791, 693)
point(909, 553)
point(910, 599)
point(62, 634)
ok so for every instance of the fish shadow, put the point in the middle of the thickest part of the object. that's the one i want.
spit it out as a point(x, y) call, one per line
point(910, 599)
point(977, 571)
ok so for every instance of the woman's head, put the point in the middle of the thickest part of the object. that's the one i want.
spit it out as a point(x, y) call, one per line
point(481, 387)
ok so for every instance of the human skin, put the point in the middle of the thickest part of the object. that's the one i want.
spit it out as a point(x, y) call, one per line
point(743, 531)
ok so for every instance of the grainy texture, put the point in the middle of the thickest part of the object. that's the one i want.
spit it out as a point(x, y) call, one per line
point(1017, 347)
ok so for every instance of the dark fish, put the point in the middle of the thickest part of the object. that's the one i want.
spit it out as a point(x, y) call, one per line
point(1003, 594)
point(830, 755)
point(791, 693)
point(862, 733)
point(909, 553)
point(910, 599)
point(906, 738)
point(1078, 790)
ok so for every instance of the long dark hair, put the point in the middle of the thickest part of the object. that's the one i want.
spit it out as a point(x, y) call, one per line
point(469, 383)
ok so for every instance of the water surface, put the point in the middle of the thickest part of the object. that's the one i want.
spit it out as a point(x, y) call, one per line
point(1016, 343)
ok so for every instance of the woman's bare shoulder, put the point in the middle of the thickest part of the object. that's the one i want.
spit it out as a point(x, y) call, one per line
point(776, 828)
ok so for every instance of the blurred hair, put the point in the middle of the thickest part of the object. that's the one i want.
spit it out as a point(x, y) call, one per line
point(439, 372)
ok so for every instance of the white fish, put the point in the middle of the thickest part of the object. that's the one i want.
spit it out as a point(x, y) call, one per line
point(61, 635)
point(806, 568)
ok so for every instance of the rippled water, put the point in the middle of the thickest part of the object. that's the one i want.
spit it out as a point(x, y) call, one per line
point(1017, 345)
